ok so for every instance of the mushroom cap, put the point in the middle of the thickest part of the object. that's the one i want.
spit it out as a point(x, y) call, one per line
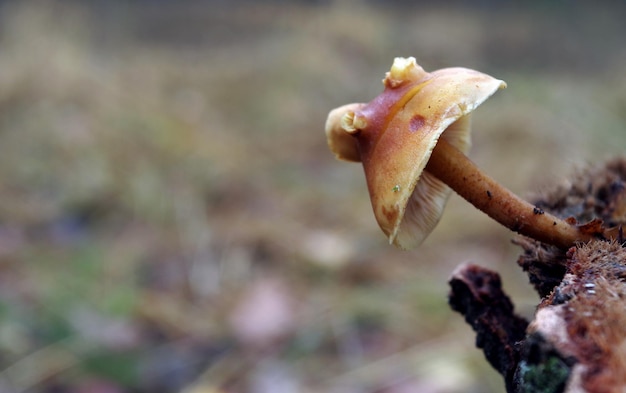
point(394, 135)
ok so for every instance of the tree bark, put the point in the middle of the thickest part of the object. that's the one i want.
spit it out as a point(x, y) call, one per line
point(577, 339)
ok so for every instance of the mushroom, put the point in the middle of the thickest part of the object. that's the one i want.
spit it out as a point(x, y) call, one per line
point(413, 139)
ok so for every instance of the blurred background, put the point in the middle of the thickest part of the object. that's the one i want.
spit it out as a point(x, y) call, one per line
point(171, 219)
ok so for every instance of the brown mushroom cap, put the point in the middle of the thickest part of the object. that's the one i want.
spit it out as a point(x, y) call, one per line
point(395, 134)
point(342, 143)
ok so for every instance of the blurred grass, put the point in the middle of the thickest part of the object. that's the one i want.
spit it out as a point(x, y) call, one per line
point(163, 166)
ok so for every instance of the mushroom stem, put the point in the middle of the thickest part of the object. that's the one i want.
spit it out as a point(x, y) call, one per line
point(452, 167)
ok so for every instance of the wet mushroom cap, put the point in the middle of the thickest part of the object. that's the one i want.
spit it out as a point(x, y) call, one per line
point(395, 134)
